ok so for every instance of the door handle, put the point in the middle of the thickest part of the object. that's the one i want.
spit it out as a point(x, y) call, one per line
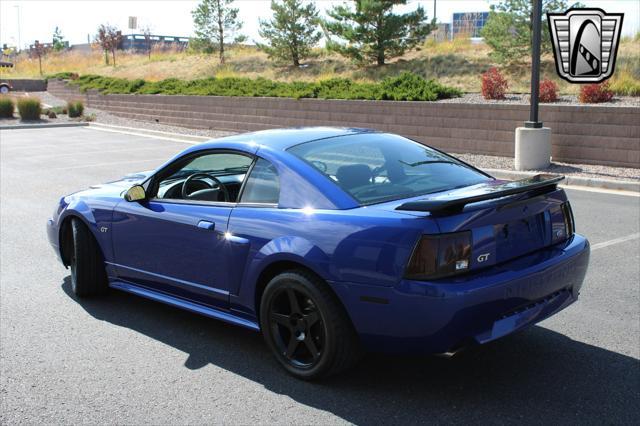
point(205, 224)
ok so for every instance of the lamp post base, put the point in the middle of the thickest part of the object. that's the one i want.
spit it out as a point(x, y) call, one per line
point(533, 148)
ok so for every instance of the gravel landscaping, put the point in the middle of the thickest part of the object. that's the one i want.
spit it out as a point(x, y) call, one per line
point(567, 169)
point(523, 99)
point(480, 161)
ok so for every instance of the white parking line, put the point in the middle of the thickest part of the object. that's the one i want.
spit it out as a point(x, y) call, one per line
point(615, 241)
point(145, 135)
point(602, 190)
point(158, 161)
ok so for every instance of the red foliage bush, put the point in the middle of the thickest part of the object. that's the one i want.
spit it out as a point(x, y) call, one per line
point(548, 91)
point(494, 85)
point(595, 93)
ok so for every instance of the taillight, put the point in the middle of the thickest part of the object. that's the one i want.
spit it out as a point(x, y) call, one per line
point(569, 224)
point(438, 256)
point(562, 225)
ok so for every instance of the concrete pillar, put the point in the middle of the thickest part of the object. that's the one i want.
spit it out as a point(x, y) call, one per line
point(533, 148)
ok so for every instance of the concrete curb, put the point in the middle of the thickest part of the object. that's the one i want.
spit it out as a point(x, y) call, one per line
point(40, 125)
point(159, 133)
point(619, 185)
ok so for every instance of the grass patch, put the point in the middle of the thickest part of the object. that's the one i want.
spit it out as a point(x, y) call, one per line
point(405, 87)
point(29, 108)
point(457, 63)
point(6, 107)
point(75, 109)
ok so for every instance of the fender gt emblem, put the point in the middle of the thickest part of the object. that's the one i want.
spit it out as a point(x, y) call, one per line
point(483, 257)
point(103, 229)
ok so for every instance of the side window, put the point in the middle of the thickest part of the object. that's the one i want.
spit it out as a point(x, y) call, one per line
point(263, 184)
point(207, 177)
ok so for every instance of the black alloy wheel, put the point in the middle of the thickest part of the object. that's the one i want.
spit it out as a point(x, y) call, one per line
point(306, 326)
point(297, 327)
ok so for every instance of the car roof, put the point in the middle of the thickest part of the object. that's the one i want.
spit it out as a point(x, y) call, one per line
point(282, 139)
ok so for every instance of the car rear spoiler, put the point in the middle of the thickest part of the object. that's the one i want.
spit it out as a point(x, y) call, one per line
point(448, 204)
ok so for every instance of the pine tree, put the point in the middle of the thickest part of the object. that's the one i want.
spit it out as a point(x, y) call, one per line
point(58, 40)
point(216, 22)
point(372, 32)
point(509, 28)
point(292, 31)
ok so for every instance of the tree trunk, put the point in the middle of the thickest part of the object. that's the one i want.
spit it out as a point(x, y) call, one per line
point(221, 32)
point(379, 43)
point(106, 57)
point(295, 57)
point(113, 52)
point(40, 63)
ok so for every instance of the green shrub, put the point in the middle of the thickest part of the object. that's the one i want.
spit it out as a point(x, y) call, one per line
point(6, 107)
point(406, 87)
point(29, 108)
point(411, 87)
point(67, 75)
point(75, 108)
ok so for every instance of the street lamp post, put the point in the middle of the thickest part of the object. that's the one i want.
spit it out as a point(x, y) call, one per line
point(17, 6)
point(535, 66)
point(533, 141)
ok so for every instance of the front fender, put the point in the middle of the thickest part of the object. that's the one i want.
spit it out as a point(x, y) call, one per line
point(96, 214)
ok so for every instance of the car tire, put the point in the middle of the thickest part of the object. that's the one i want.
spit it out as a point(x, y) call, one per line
point(4, 90)
point(88, 276)
point(318, 322)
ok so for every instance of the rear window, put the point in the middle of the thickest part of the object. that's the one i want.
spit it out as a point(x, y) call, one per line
point(381, 167)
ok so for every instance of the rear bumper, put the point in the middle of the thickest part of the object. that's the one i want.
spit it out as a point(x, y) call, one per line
point(437, 317)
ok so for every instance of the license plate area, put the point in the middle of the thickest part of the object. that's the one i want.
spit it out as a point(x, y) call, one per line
point(519, 237)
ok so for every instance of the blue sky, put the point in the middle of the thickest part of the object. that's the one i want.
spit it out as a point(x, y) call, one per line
point(77, 19)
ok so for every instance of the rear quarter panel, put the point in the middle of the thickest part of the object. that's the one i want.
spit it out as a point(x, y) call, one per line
point(360, 245)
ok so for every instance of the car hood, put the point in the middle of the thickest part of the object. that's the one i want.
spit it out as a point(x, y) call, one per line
point(116, 187)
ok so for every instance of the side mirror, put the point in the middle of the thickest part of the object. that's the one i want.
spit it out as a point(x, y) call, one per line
point(135, 193)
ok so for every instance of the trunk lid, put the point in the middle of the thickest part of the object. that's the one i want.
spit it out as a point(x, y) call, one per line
point(506, 219)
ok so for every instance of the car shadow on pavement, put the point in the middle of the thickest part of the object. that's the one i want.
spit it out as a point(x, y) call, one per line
point(536, 376)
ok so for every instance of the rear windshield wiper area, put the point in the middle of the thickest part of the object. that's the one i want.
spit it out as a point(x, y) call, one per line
point(420, 163)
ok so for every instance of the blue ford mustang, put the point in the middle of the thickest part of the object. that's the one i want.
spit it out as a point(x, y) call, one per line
point(330, 242)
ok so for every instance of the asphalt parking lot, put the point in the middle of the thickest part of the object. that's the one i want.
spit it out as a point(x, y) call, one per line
point(127, 360)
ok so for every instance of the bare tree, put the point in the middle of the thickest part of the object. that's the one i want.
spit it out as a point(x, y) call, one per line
point(39, 50)
point(109, 38)
point(146, 31)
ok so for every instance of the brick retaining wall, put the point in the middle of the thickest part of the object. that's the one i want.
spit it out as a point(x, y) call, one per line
point(27, 85)
point(581, 134)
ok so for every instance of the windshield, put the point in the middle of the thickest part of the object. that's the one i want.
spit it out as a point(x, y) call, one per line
point(377, 167)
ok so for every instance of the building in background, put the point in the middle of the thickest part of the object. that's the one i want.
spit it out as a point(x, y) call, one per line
point(468, 24)
point(140, 43)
